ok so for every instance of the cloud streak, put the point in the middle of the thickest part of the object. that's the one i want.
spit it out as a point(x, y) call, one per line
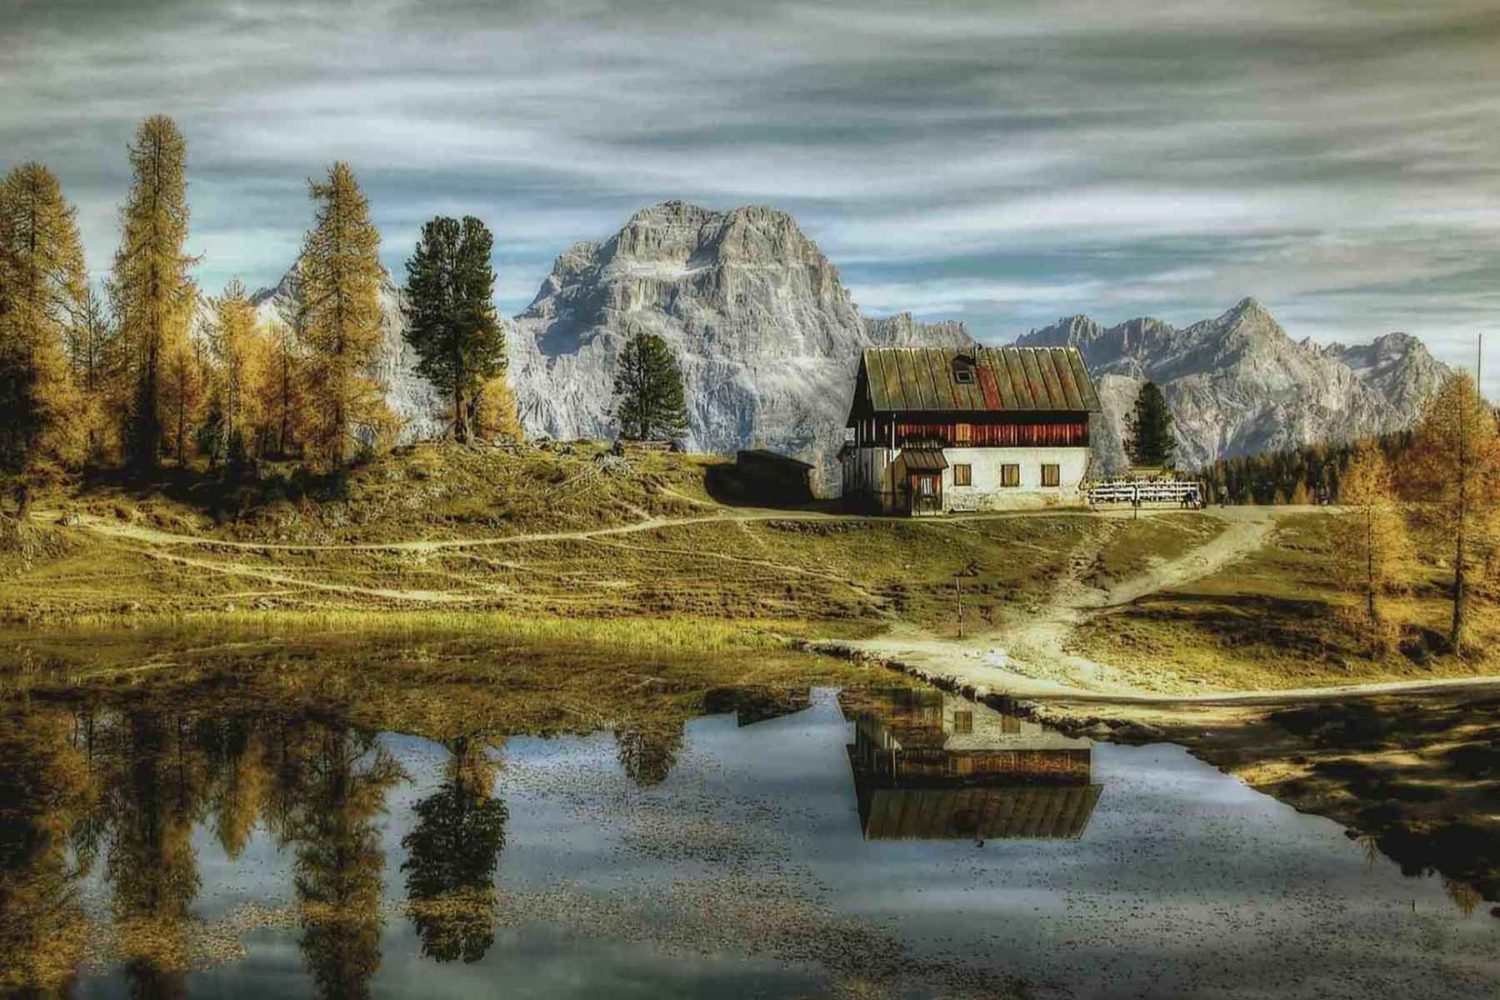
point(1003, 164)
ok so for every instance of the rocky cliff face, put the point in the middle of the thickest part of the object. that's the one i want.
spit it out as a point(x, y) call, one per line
point(766, 334)
point(1239, 385)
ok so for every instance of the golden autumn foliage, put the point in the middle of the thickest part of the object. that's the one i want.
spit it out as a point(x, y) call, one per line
point(340, 320)
point(281, 394)
point(46, 790)
point(1375, 541)
point(1456, 456)
point(94, 352)
point(495, 412)
point(152, 294)
point(184, 393)
point(241, 352)
point(43, 289)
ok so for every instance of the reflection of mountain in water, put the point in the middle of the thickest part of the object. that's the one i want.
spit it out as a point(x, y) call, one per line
point(931, 766)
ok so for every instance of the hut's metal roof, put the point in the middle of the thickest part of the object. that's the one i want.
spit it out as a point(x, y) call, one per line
point(1048, 379)
point(1022, 812)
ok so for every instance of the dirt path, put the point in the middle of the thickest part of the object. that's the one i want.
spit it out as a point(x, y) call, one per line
point(114, 528)
point(171, 547)
point(1248, 529)
point(1031, 659)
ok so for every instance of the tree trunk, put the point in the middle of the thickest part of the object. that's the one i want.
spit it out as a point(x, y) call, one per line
point(1460, 597)
point(181, 430)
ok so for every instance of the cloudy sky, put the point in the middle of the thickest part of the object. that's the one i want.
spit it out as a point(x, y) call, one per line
point(1001, 162)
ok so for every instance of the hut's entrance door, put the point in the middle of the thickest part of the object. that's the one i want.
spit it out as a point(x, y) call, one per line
point(927, 493)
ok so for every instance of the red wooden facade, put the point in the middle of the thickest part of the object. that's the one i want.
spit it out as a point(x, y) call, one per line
point(1056, 433)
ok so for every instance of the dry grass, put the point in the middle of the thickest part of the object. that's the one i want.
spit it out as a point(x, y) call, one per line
point(800, 575)
point(1289, 616)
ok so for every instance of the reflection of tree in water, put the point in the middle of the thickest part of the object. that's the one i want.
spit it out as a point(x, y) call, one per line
point(130, 786)
point(237, 759)
point(1464, 896)
point(153, 795)
point(45, 792)
point(339, 858)
point(454, 849)
point(648, 756)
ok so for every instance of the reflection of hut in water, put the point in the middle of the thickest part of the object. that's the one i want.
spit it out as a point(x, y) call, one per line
point(929, 765)
point(756, 704)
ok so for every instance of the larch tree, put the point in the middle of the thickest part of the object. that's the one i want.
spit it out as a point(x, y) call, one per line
point(93, 351)
point(1149, 436)
point(339, 319)
point(494, 411)
point(282, 393)
point(649, 400)
point(1456, 456)
point(239, 354)
point(1374, 532)
point(43, 290)
point(452, 322)
point(152, 293)
point(184, 393)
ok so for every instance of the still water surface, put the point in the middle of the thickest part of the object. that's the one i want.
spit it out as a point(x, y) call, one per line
point(787, 843)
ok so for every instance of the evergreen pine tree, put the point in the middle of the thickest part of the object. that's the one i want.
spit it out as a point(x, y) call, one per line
point(1149, 437)
point(453, 326)
point(152, 294)
point(43, 289)
point(648, 391)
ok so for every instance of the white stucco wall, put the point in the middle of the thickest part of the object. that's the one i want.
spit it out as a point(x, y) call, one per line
point(986, 493)
point(866, 471)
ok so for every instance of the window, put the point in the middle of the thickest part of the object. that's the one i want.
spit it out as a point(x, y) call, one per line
point(1010, 475)
point(963, 722)
point(1051, 475)
point(963, 434)
point(963, 475)
point(963, 369)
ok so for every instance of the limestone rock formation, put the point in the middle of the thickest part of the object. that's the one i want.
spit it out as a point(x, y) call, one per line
point(766, 334)
point(1238, 385)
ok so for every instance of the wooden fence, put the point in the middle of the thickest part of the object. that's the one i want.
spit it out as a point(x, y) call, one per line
point(1174, 492)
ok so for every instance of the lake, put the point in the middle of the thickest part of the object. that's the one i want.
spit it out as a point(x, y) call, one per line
point(782, 841)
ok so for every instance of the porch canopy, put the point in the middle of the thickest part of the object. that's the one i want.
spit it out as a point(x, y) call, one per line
point(924, 460)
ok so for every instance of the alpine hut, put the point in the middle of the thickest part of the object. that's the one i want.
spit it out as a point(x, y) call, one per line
point(933, 430)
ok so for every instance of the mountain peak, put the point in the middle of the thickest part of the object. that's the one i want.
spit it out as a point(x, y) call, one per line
point(765, 334)
point(1246, 309)
point(1239, 385)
